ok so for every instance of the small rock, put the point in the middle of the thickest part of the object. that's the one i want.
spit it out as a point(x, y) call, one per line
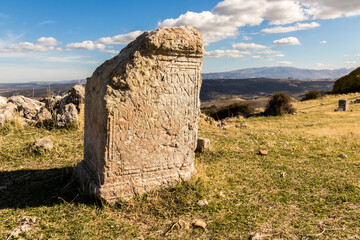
point(222, 195)
point(25, 224)
point(44, 144)
point(263, 152)
point(226, 126)
point(3, 100)
point(342, 155)
point(200, 224)
point(255, 236)
point(181, 224)
point(203, 144)
point(202, 203)
point(283, 174)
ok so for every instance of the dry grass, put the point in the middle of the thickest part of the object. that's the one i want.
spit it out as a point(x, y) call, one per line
point(300, 190)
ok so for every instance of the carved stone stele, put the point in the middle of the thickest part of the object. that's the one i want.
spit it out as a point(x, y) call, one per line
point(141, 114)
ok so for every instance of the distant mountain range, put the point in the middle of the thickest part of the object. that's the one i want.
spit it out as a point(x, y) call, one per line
point(279, 72)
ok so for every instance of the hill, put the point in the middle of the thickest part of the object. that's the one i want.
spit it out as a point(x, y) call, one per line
point(278, 72)
point(300, 190)
point(216, 89)
point(348, 83)
point(37, 89)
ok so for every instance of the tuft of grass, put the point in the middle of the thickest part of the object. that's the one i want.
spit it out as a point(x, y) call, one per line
point(300, 190)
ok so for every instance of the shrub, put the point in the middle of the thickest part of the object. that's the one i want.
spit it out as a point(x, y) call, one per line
point(313, 94)
point(279, 104)
point(232, 110)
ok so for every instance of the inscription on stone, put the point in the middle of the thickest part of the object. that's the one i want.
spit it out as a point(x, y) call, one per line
point(141, 114)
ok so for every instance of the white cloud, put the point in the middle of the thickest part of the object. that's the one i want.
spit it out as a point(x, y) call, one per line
point(296, 27)
point(357, 55)
point(120, 39)
point(213, 27)
point(41, 45)
point(351, 63)
point(323, 42)
point(227, 16)
point(321, 65)
point(287, 41)
point(89, 45)
point(225, 53)
point(47, 41)
point(248, 46)
point(66, 59)
point(256, 57)
point(331, 9)
point(285, 63)
point(269, 51)
point(225, 19)
point(246, 38)
point(278, 55)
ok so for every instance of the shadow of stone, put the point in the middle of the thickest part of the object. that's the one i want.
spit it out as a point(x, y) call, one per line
point(33, 188)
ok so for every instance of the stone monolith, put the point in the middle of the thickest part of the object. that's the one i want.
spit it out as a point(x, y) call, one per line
point(141, 114)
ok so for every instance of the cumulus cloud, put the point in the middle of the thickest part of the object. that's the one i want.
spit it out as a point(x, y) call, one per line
point(47, 41)
point(225, 19)
point(323, 42)
point(287, 41)
point(270, 51)
point(331, 9)
point(213, 27)
point(88, 45)
point(357, 55)
point(225, 53)
point(296, 27)
point(227, 16)
point(248, 46)
point(285, 63)
point(120, 39)
point(101, 44)
point(247, 38)
point(43, 44)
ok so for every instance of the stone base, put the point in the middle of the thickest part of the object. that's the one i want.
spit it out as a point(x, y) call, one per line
point(131, 185)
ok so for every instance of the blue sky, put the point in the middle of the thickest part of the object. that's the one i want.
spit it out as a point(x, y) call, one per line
point(65, 40)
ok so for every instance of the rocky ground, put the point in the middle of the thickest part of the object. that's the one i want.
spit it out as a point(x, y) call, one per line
point(59, 111)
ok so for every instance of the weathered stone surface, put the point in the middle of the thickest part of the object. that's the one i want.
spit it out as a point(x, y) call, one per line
point(43, 144)
point(26, 107)
point(66, 115)
point(7, 112)
point(3, 101)
point(141, 114)
point(52, 102)
point(203, 144)
point(76, 96)
point(43, 115)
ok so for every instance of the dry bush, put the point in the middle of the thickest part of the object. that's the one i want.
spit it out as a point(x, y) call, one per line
point(279, 104)
point(236, 109)
point(313, 94)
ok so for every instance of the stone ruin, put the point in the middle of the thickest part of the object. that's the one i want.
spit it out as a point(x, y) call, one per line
point(52, 111)
point(141, 114)
point(343, 105)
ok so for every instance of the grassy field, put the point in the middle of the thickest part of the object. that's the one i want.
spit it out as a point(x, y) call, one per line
point(300, 190)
